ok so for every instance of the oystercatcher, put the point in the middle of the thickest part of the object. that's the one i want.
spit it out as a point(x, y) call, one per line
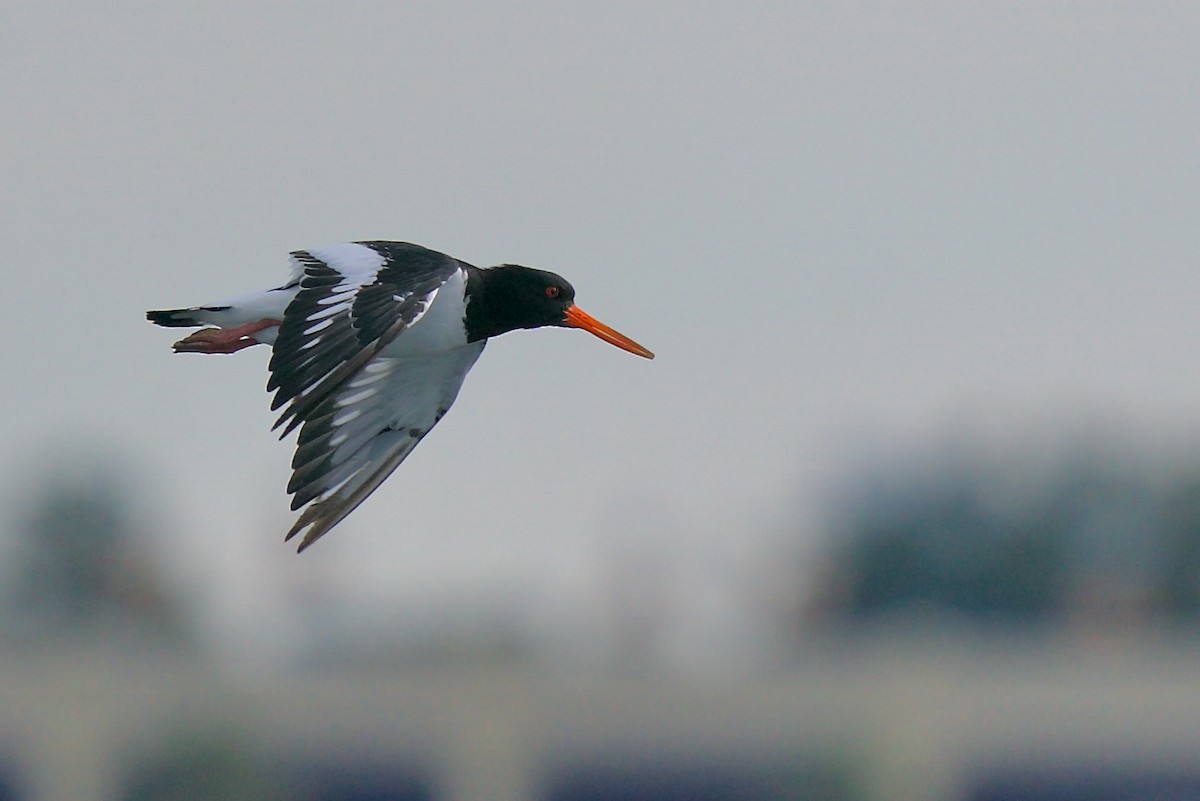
point(370, 344)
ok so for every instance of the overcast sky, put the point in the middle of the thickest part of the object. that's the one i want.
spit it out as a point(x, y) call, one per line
point(838, 226)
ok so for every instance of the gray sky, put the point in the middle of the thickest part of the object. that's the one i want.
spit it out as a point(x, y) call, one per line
point(838, 226)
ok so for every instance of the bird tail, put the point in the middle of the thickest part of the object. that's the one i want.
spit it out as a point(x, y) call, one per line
point(182, 318)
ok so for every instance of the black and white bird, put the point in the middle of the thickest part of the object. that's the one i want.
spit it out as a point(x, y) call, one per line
point(370, 344)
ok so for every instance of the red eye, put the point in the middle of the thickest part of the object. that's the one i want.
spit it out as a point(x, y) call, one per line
point(552, 292)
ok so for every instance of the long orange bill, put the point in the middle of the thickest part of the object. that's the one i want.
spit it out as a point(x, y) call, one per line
point(578, 318)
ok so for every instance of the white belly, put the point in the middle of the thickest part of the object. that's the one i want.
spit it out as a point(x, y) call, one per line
point(441, 328)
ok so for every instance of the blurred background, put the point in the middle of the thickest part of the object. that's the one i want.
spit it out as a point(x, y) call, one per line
point(907, 507)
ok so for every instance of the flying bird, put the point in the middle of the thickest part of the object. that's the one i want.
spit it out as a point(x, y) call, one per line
point(370, 344)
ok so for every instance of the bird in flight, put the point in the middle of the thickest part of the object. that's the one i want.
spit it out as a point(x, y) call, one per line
point(370, 344)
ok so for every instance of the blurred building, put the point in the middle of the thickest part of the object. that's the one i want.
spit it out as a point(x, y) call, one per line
point(875, 718)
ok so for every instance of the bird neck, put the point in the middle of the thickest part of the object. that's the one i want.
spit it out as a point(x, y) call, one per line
point(490, 310)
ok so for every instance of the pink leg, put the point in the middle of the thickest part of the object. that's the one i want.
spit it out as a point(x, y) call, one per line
point(223, 340)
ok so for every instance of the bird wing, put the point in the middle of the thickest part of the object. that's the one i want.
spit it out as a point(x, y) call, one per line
point(354, 300)
point(360, 412)
point(357, 436)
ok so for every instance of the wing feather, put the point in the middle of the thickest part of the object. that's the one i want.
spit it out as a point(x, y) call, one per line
point(355, 440)
point(360, 412)
point(377, 289)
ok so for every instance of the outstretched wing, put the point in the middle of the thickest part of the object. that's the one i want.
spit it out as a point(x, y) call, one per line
point(357, 436)
point(354, 300)
point(360, 412)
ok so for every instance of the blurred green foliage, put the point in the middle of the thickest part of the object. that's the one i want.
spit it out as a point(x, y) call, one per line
point(1093, 538)
point(80, 565)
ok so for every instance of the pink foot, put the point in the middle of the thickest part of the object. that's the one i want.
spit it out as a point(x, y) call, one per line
point(223, 340)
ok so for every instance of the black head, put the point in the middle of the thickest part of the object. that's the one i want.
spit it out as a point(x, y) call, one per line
point(510, 296)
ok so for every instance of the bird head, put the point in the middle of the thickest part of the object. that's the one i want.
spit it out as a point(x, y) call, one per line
point(523, 297)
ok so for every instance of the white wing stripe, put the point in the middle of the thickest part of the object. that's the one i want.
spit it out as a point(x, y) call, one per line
point(351, 259)
point(341, 418)
point(349, 400)
point(365, 380)
point(329, 312)
point(321, 326)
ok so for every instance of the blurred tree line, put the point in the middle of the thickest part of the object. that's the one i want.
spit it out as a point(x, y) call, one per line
point(1095, 539)
point(79, 564)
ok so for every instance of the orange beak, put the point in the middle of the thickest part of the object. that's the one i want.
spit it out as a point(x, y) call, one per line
point(578, 318)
